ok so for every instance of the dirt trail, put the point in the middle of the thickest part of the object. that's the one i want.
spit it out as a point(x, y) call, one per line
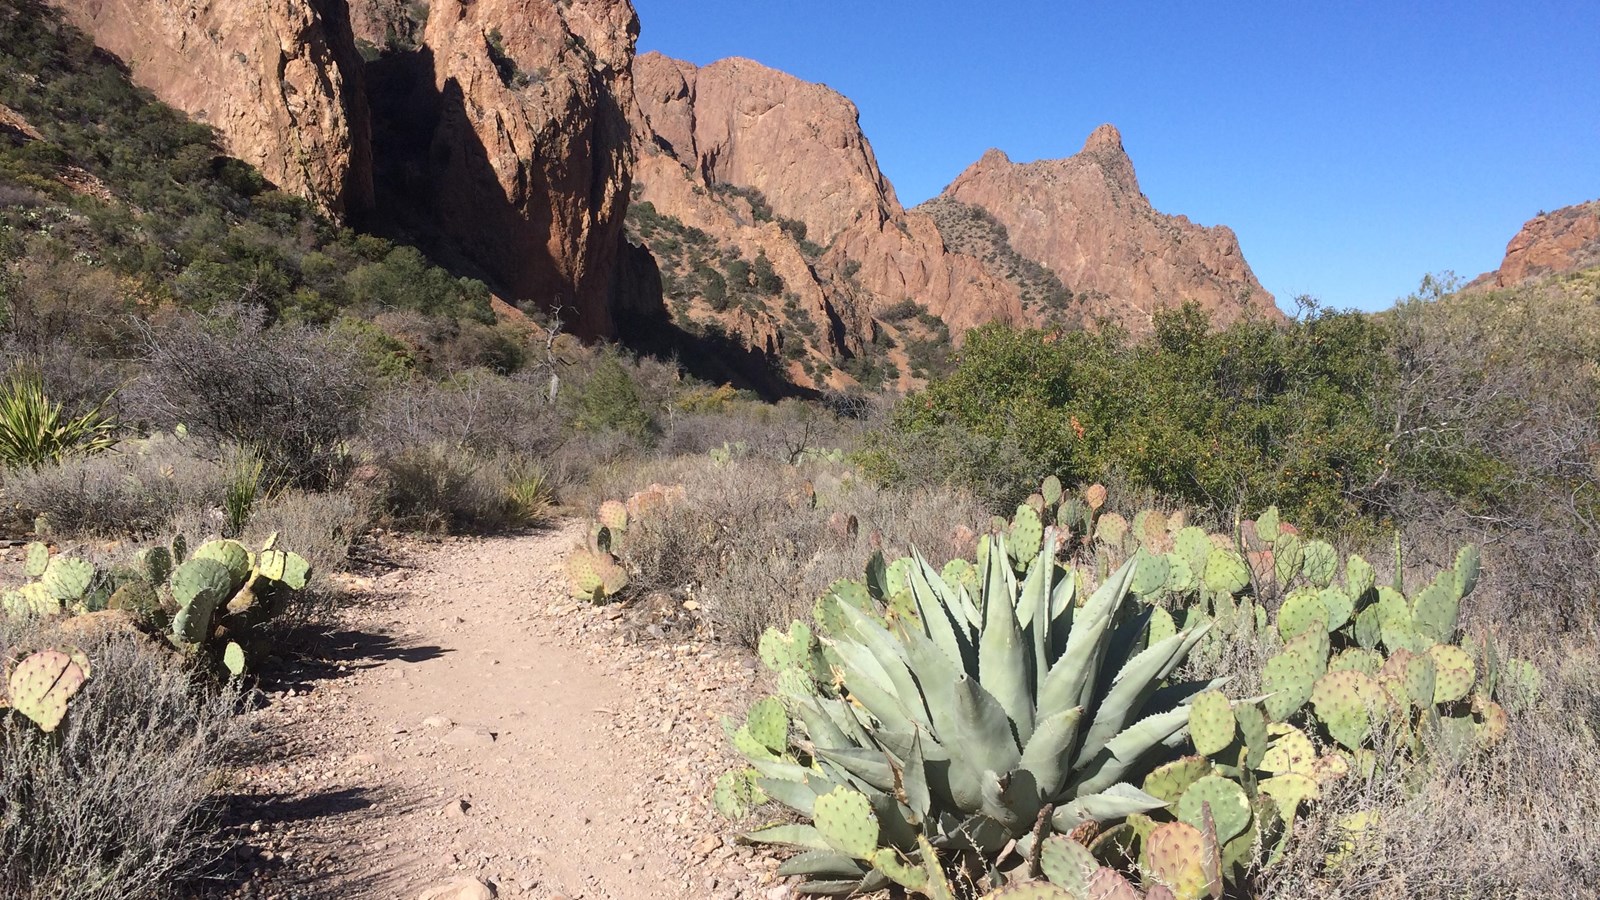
point(474, 721)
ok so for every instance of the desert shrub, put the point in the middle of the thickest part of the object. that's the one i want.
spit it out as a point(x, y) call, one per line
point(609, 400)
point(139, 490)
point(120, 803)
point(322, 527)
point(445, 489)
point(291, 394)
point(476, 410)
point(752, 549)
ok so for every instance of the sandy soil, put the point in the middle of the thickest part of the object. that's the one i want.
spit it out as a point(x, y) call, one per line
point(474, 722)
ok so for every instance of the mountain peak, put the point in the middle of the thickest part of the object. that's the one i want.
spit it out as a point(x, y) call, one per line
point(1104, 138)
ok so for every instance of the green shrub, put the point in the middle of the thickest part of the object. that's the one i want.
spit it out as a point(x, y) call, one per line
point(35, 431)
point(610, 401)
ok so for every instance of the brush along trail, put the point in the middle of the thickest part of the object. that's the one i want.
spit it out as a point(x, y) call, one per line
point(472, 731)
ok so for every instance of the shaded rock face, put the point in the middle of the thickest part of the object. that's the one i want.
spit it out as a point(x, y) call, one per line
point(769, 165)
point(1085, 219)
point(279, 79)
point(500, 138)
point(494, 127)
point(1549, 244)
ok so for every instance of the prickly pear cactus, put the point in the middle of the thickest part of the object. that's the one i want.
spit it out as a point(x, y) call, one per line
point(44, 683)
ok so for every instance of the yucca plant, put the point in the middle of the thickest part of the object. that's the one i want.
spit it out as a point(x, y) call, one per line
point(935, 730)
point(35, 431)
point(245, 486)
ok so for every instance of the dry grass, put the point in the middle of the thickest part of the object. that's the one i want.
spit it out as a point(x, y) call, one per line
point(120, 803)
point(753, 549)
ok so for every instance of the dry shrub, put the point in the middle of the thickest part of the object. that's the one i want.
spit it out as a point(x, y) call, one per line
point(1515, 823)
point(120, 803)
point(440, 489)
point(751, 548)
point(137, 491)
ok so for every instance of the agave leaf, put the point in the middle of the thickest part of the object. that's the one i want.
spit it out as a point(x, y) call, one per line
point(825, 863)
point(873, 690)
point(936, 677)
point(1129, 749)
point(1116, 802)
point(806, 836)
point(1072, 678)
point(798, 796)
point(914, 781)
point(820, 727)
point(937, 607)
point(871, 766)
point(1133, 685)
point(1002, 657)
point(983, 731)
point(1049, 752)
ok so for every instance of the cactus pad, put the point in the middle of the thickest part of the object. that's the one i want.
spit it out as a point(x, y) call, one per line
point(233, 556)
point(1211, 722)
point(1252, 724)
point(37, 560)
point(1455, 673)
point(1195, 547)
point(1095, 496)
point(1051, 490)
point(960, 571)
point(846, 821)
point(1111, 529)
point(583, 569)
point(1267, 525)
point(233, 658)
point(1106, 884)
point(1226, 572)
point(290, 568)
point(1067, 863)
point(44, 683)
point(769, 724)
point(199, 586)
point(1178, 860)
point(1321, 564)
point(1466, 570)
point(1025, 534)
point(1367, 662)
point(1181, 577)
point(1168, 782)
point(1162, 625)
point(1340, 606)
point(1149, 574)
point(67, 579)
point(1291, 751)
point(1436, 609)
point(1302, 611)
point(613, 515)
point(1289, 555)
point(781, 650)
point(1229, 805)
point(1290, 790)
point(1359, 578)
point(1288, 680)
point(1346, 702)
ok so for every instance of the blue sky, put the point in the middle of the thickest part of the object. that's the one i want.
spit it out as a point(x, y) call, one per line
point(1353, 146)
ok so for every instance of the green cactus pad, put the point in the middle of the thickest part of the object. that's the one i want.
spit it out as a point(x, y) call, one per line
point(1067, 864)
point(1340, 607)
point(1211, 722)
point(781, 650)
point(1466, 570)
point(900, 870)
point(1346, 703)
point(67, 579)
point(1252, 722)
point(583, 570)
point(1168, 782)
point(960, 571)
point(897, 576)
point(1267, 525)
point(1052, 490)
point(1195, 547)
point(233, 659)
point(1315, 645)
point(1178, 860)
point(1455, 673)
point(1291, 751)
point(1289, 557)
point(1321, 563)
point(1367, 662)
point(1226, 572)
point(42, 685)
point(1291, 790)
point(155, 564)
point(1025, 534)
point(199, 586)
point(1181, 578)
point(1359, 579)
point(1288, 681)
point(233, 556)
point(1229, 805)
point(37, 558)
point(737, 793)
point(1162, 626)
point(289, 568)
point(1368, 629)
point(1436, 609)
point(769, 724)
point(1302, 611)
point(846, 821)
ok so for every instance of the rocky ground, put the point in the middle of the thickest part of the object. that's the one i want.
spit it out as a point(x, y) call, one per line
point(474, 732)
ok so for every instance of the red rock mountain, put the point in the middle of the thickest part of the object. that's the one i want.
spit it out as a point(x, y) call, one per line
point(1549, 244)
point(494, 127)
point(1086, 220)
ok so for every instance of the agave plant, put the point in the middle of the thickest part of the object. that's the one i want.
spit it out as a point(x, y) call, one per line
point(949, 728)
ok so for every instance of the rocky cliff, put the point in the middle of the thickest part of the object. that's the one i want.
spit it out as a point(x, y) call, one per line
point(279, 79)
point(1549, 244)
point(771, 168)
point(492, 130)
point(1085, 219)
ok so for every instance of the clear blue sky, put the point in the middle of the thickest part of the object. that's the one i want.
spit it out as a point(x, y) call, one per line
point(1354, 146)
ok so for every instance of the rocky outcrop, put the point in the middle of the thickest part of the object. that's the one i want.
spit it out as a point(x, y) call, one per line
point(1549, 244)
point(769, 165)
point(514, 143)
point(279, 79)
point(1085, 219)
